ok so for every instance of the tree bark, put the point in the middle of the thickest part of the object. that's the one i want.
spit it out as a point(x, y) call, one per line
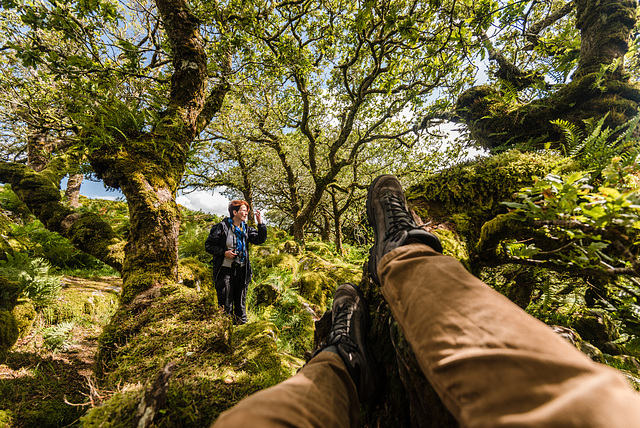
point(72, 193)
point(38, 150)
point(337, 225)
point(605, 27)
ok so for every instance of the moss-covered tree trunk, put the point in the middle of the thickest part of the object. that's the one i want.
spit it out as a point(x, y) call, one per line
point(459, 201)
point(149, 168)
point(599, 86)
point(605, 27)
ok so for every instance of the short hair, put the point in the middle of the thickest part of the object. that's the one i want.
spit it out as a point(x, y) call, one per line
point(235, 206)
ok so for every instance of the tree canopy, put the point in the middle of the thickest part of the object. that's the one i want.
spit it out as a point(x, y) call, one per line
point(313, 100)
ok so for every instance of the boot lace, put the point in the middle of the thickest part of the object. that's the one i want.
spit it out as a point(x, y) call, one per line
point(340, 331)
point(400, 219)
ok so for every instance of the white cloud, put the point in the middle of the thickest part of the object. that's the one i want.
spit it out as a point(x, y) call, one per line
point(211, 202)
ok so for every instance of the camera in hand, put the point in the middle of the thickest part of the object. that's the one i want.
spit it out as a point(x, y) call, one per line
point(235, 264)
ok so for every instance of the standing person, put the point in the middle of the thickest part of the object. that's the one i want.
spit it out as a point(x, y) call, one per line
point(228, 244)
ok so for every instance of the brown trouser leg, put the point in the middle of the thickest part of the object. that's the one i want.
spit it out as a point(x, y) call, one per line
point(320, 395)
point(492, 364)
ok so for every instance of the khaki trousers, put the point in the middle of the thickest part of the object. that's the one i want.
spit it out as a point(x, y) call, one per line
point(492, 364)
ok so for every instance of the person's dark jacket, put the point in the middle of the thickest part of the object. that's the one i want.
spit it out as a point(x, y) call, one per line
point(216, 245)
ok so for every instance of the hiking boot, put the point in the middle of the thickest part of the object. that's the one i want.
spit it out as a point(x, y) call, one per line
point(348, 336)
point(393, 225)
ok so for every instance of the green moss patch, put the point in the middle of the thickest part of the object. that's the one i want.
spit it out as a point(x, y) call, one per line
point(470, 195)
point(90, 301)
point(8, 332)
point(34, 396)
point(24, 314)
point(195, 274)
point(217, 364)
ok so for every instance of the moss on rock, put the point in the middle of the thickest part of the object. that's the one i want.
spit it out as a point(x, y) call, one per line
point(291, 247)
point(321, 249)
point(284, 261)
point(24, 314)
point(8, 332)
point(341, 274)
point(266, 294)
point(216, 364)
point(315, 287)
point(9, 292)
point(194, 274)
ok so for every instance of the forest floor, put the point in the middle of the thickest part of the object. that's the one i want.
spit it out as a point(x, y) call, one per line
point(47, 378)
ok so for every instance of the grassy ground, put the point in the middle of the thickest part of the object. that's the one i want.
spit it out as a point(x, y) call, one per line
point(46, 380)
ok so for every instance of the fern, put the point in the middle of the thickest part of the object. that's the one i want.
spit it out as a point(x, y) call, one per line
point(600, 146)
point(571, 132)
point(33, 275)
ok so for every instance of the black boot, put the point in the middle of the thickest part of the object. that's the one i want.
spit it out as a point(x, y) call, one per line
point(391, 221)
point(348, 337)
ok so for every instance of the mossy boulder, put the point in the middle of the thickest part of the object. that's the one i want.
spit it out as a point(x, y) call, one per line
point(595, 326)
point(194, 274)
point(266, 294)
point(8, 332)
point(261, 250)
point(291, 247)
point(255, 350)
point(279, 234)
point(9, 292)
point(313, 263)
point(321, 249)
point(315, 287)
point(284, 261)
point(344, 273)
point(24, 314)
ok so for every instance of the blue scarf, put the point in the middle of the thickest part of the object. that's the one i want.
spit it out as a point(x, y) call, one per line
point(240, 232)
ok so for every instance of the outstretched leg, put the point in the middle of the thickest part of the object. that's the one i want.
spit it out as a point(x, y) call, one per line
point(492, 364)
point(328, 390)
point(320, 395)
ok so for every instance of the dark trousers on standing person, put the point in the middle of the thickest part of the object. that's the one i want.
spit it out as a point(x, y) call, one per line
point(231, 288)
